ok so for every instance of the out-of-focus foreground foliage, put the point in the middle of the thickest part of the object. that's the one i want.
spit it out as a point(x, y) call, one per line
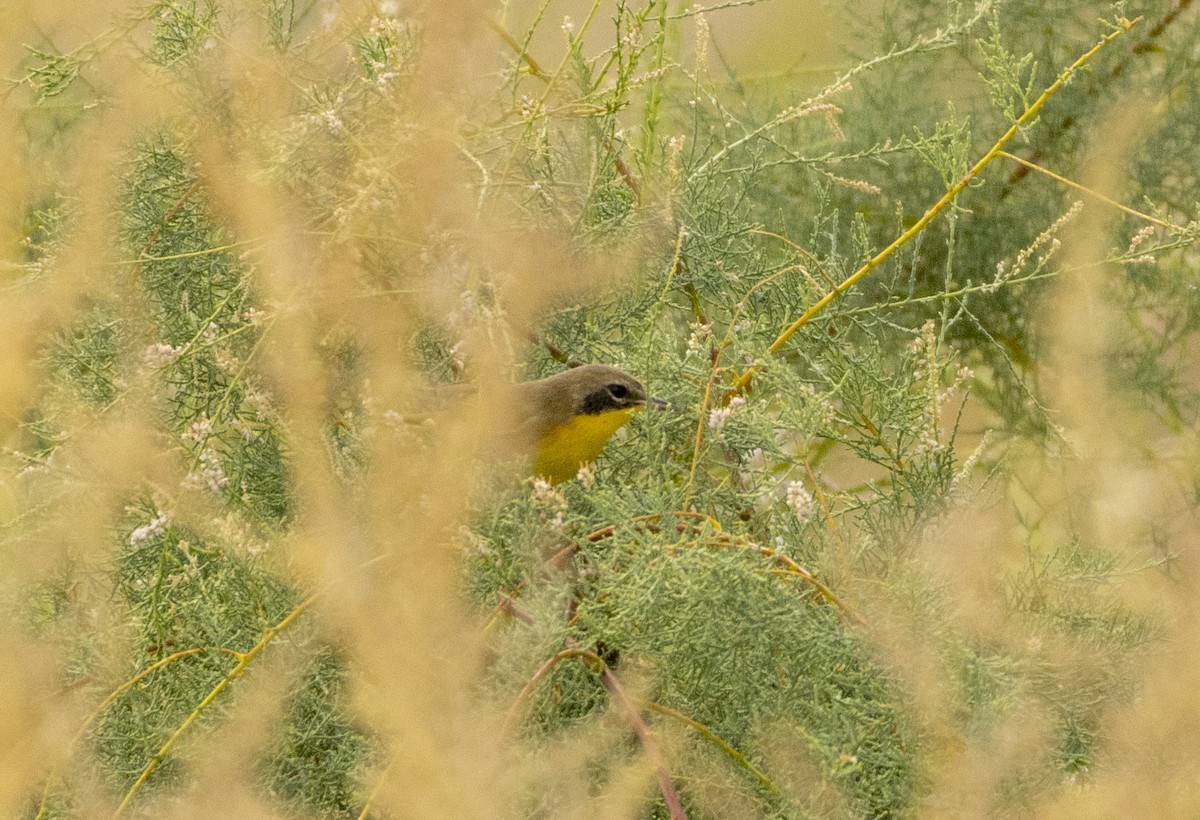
point(928, 550)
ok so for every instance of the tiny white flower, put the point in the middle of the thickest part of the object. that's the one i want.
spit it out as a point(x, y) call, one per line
point(252, 316)
point(156, 527)
point(474, 544)
point(548, 496)
point(160, 354)
point(198, 431)
point(1140, 238)
point(717, 417)
point(226, 360)
point(698, 337)
point(208, 472)
point(800, 500)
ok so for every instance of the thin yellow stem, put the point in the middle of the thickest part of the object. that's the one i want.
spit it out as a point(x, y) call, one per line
point(510, 41)
point(800, 249)
point(244, 660)
point(366, 809)
point(794, 569)
point(708, 734)
point(1088, 191)
point(744, 379)
point(712, 376)
point(108, 701)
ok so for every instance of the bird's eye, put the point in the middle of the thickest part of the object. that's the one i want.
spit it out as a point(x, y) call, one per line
point(618, 391)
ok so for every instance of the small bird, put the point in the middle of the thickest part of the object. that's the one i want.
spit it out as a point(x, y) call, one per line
point(570, 416)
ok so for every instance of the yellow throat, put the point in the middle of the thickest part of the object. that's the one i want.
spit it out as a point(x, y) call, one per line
point(564, 448)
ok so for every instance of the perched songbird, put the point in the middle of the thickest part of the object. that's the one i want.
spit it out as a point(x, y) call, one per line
point(567, 418)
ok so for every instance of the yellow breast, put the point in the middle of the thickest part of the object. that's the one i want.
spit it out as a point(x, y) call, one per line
point(564, 448)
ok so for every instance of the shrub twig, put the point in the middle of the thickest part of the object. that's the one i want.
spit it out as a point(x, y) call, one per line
point(244, 660)
point(626, 705)
point(742, 382)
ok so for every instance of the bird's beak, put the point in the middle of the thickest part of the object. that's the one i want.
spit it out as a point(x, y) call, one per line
point(657, 404)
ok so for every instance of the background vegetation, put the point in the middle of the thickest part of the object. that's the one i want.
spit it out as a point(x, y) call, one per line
point(915, 537)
